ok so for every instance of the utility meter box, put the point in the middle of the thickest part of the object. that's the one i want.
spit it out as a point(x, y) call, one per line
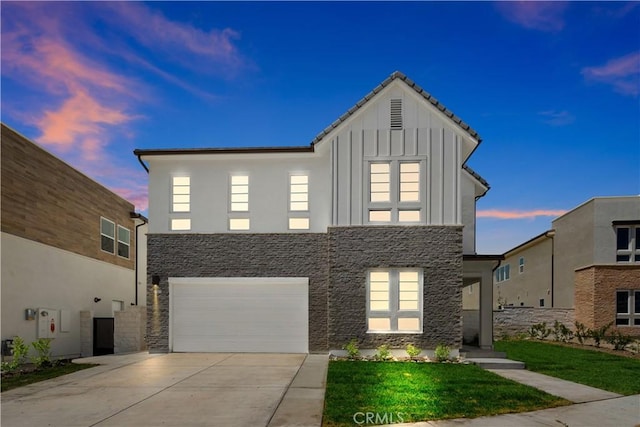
point(48, 323)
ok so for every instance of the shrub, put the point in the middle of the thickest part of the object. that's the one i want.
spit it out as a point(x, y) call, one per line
point(598, 334)
point(352, 349)
point(619, 341)
point(413, 351)
point(383, 352)
point(539, 331)
point(19, 351)
point(561, 333)
point(43, 350)
point(442, 353)
point(582, 333)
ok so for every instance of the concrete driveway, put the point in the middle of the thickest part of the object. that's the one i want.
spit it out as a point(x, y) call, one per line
point(177, 389)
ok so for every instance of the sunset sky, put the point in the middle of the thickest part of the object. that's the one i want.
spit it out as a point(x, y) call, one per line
point(552, 88)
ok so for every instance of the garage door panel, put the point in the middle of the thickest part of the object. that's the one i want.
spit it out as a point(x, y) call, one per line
point(240, 315)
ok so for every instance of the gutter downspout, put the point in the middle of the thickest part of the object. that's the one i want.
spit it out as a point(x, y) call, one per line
point(141, 162)
point(551, 234)
point(144, 220)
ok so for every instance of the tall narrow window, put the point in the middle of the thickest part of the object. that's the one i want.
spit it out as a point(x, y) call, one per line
point(521, 265)
point(380, 182)
point(239, 193)
point(107, 235)
point(124, 241)
point(409, 182)
point(181, 194)
point(298, 193)
point(623, 314)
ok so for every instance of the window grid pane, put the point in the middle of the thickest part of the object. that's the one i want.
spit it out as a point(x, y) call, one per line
point(622, 302)
point(107, 235)
point(380, 182)
point(380, 216)
point(298, 223)
point(408, 288)
point(379, 291)
point(409, 182)
point(239, 224)
point(181, 194)
point(180, 224)
point(298, 193)
point(124, 237)
point(239, 193)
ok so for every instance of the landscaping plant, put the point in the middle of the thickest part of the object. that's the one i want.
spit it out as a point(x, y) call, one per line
point(383, 352)
point(43, 352)
point(561, 333)
point(539, 331)
point(19, 352)
point(619, 341)
point(352, 349)
point(413, 351)
point(599, 334)
point(442, 353)
point(582, 333)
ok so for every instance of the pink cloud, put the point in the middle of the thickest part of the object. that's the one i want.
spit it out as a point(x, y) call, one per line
point(622, 73)
point(535, 15)
point(136, 195)
point(506, 214)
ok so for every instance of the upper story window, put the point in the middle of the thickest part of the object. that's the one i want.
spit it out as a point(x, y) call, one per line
point(628, 243)
point(180, 224)
point(394, 192)
point(181, 194)
point(521, 265)
point(239, 193)
point(107, 235)
point(503, 273)
point(124, 241)
point(299, 202)
point(394, 301)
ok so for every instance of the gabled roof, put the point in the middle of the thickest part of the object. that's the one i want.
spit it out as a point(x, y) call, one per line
point(397, 75)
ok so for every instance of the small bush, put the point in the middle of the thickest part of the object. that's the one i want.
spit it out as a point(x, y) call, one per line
point(43, 350)
point(561, 333)
point(539, 331)
point(383, 353)
point(598, 334)
point(413, 351)
point(442, 353)
point(19, 351)
point(352, 349)
point(582, 333)
point(619, 341)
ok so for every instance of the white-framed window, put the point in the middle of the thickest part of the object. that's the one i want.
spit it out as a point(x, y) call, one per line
point(394, 191)
point(503, 273)
point(394, 300)
point(299, 201)
point(628, 243)
point(180, 224)
point(239, 200)
point(124, 241)
point(107, 235)
point(521, 265)
point(181, 194)
point(627, 308)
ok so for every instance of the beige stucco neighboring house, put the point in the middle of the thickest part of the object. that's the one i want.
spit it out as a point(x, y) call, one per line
point(588, 261)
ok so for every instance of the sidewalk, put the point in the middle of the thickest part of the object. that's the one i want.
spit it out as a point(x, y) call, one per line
point(593, 408)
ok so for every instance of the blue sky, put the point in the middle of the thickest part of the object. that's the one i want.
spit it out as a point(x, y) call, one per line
point(552, 88)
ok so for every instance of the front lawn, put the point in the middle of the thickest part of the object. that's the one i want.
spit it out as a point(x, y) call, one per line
point(605, 371)
point(411, 392)
point(19, 379)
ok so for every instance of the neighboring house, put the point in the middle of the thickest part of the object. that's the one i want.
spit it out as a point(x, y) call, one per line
point(68, 246)
point(589, 260)
point(368, 233)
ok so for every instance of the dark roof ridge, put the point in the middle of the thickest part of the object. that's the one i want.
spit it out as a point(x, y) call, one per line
point(426, 95)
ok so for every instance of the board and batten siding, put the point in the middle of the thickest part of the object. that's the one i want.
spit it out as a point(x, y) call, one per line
point(426, 136)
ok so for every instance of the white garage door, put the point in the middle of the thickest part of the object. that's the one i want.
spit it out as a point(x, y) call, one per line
point(268, 315)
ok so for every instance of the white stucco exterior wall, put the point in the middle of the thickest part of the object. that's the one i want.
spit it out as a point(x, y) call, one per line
point(35, 276)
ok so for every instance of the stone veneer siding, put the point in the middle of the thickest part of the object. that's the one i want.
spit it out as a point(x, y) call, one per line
point(355, 250)
point(517, 320)
point(236, 255)
point(595, 294)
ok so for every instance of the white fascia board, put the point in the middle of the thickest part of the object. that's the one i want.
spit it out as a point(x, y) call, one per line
point(239, 280)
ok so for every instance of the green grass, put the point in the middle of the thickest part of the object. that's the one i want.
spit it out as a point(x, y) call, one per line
point(22, 379)
point(590, 367)
point(423, 391)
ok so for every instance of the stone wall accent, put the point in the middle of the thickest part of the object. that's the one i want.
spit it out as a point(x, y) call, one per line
point(45, 200)
point(237, 255)
point(515, 320)
point(86, 333)
point(595, 294)
point(130, 327)
point(355, 250)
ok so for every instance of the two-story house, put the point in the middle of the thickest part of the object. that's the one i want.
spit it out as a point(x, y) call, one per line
point(367, 233)
point(589, 261)
point(68, 253)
